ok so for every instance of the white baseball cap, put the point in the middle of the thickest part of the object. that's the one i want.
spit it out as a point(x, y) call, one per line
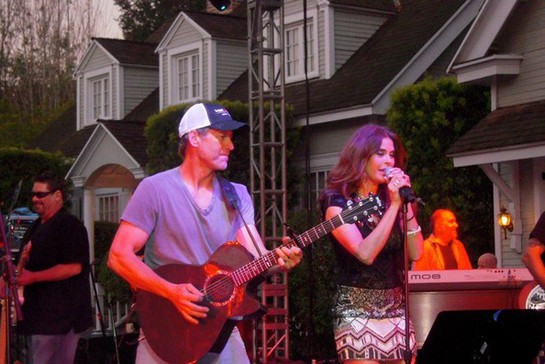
point(207, 115)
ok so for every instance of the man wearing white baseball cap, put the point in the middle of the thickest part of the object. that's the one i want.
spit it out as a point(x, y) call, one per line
point(189, 214)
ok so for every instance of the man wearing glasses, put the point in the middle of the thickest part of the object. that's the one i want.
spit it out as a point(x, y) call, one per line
point(57, 302)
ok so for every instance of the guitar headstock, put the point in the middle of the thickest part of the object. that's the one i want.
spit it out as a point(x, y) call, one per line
point(363, 209)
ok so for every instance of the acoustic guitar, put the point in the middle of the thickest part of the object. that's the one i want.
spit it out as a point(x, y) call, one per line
point(223, 280)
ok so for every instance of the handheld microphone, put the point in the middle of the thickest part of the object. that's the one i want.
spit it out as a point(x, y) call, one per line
point(406, 193)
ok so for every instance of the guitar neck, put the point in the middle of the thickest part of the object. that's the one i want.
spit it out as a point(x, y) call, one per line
point(269, 260)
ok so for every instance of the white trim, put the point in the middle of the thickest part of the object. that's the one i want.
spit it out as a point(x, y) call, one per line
point(497, 64)
point(329, 42)
point(488, 23)
point(162, 69)
point(337, 115)
point(171, 32)
point(120, 113)
point(428, 54)
point(87, 153)
point(511, 153)
point(101, 73)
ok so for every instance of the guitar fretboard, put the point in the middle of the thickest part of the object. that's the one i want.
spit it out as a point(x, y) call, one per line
point(269, 260)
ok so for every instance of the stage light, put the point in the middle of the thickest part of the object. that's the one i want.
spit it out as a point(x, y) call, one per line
point(504, 220)
point(221, 5)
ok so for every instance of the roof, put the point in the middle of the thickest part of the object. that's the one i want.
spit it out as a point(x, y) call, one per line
point(50, 137)
point(381, 5)
point(384, 55)
point(130, 52)
point(158, 35)
point(496, 131)
point(130, 134)
point(221, 26)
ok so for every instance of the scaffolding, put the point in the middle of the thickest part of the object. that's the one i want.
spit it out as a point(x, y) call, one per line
point(268, 164)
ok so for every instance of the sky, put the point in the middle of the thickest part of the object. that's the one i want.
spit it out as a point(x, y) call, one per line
point(107, 27)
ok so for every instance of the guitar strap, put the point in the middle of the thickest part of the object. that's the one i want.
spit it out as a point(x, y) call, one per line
point(233, 201)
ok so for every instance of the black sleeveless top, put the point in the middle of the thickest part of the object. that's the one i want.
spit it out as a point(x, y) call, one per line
point(386, 272)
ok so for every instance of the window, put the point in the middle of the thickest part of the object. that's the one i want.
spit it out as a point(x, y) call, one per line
point(101, 98)
point(295, 52)
point(108, 208)
point(317, 185)
point(188, 77)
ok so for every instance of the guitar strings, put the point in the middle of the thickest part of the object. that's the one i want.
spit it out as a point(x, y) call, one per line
point(258, 266)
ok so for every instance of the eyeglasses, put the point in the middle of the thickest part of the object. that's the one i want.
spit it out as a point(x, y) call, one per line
point(41, 194)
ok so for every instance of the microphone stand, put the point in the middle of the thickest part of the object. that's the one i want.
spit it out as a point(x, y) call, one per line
point(408, 352)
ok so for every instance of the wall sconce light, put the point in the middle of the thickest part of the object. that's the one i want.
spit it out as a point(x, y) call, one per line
point(504, 220)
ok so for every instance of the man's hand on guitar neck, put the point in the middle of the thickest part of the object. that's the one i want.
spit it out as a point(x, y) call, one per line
point(288, 257)
point(186, 297)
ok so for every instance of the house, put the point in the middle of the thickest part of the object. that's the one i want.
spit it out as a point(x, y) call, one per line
point(358, 51)
point(504, 50)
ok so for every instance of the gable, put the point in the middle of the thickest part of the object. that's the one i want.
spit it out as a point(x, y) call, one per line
point(102, 149)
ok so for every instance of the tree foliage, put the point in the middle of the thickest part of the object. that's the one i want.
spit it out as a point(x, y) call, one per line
point(429, 116)
point(140, 18)
point(23, 165)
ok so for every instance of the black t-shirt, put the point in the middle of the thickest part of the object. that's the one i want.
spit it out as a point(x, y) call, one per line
point(386, 271)
point(52, 308)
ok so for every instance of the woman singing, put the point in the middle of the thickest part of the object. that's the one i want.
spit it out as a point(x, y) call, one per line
point(369, 306)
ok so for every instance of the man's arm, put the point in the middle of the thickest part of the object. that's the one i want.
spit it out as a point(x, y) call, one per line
point(58, 272)
point(123, 260)
point(532, 260)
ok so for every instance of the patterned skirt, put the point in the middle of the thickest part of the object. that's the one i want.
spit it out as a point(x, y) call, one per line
point(370, 324)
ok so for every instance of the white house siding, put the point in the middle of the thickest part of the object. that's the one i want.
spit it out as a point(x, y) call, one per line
point(352, 30)
point(139, 83)
point(510, 257)
point(98, 60)
point(327, 140)
point(231, 62)
point(524, 35)
point(185, 35)
point(296, 6)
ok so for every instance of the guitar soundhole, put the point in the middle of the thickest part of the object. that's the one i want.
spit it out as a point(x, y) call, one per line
point(219, 289)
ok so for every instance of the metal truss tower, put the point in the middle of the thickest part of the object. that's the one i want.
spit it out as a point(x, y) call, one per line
point(268, 163)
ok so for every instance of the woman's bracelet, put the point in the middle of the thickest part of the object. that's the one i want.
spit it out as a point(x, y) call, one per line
point(415, 231)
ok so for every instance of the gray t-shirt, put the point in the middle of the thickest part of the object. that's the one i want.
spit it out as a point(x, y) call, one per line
point(180, 231)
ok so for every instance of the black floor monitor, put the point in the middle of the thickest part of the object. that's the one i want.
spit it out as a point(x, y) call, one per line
point(484, 336)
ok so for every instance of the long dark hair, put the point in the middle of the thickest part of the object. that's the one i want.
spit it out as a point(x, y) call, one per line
point(347, 174)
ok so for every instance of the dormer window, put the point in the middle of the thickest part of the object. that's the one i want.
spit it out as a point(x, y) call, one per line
point(101, 98)
point(188, 77)
point(295, 51)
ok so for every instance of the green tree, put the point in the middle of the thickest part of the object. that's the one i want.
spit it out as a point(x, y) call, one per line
point(22, 165)
point(429, 116)
point(140, 18)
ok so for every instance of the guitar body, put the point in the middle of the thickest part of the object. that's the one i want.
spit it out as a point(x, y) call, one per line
point(227, 281)
point(174, 339)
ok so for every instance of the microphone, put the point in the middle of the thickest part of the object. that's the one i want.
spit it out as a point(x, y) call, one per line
point(405, 192)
